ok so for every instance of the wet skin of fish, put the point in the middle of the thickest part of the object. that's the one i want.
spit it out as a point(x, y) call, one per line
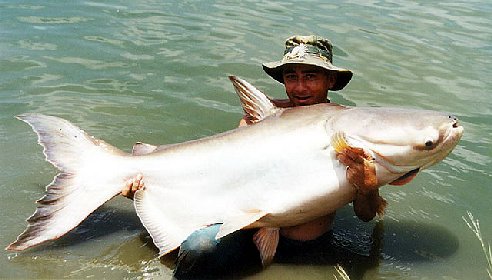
point(282, 171)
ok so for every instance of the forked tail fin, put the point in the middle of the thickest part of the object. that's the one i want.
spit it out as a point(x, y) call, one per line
point(84, 183)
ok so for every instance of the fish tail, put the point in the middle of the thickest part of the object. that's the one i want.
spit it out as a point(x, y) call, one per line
point(84, 181)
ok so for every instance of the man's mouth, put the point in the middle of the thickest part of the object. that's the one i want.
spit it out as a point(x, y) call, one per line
point(303, 99)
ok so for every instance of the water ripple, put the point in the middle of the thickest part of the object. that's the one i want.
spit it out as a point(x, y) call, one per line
point(52, 20)
point(157, 71)
point(88, 63)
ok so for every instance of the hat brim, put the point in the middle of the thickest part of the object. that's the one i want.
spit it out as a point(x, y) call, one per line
point(275, 70)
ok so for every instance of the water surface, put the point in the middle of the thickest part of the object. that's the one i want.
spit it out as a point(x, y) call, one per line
point(156, 71)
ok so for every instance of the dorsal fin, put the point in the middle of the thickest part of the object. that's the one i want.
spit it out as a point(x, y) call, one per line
point(255, 103)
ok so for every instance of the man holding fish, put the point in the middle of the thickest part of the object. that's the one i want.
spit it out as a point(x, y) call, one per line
point(272, 185)
point(307, 72)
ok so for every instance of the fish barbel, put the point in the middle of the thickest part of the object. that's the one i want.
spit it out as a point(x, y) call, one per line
point(284, 170)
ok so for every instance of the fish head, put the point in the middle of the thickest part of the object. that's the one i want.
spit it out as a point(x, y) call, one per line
point(399, 142)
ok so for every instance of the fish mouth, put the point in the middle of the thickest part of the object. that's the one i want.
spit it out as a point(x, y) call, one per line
point(405, 178)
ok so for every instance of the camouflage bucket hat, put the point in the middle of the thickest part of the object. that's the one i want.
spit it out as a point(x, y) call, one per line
point(312, 50)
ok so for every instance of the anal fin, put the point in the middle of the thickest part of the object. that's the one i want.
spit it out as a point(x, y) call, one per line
point(266, 240)
point(238, 222)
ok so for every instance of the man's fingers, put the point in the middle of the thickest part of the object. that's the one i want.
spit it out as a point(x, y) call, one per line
point(342, 157)
point(356, 154)
point(137, 183)
point(126, 191)
point(350, 159)
point(132, 185)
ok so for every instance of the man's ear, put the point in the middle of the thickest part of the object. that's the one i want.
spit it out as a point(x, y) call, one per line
point(332, 78)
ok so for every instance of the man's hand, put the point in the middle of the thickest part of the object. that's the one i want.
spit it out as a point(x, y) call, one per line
point(132, 185)
point(368, 204)
point(361, 171)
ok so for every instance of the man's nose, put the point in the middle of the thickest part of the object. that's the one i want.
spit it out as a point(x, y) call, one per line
point(301, 85)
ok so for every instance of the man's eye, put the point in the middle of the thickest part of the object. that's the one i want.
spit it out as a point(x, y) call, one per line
point(310, 76)
point(290, 77)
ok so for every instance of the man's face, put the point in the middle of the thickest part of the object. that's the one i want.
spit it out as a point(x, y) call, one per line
point(307, 84)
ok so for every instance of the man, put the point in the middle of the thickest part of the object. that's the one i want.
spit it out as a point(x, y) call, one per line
point(307, 72)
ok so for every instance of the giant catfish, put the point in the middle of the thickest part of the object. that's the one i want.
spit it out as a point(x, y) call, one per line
point(289, 168)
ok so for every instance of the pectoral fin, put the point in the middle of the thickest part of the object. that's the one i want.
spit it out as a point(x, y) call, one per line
point(141, 148)
point(361, 171)
point(238, 222)
point(266, 240)
point(339, 142)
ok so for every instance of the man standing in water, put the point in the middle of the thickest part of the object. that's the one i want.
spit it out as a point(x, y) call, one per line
point(307, 72)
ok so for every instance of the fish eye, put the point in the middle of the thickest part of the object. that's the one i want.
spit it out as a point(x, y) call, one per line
point(429, 143)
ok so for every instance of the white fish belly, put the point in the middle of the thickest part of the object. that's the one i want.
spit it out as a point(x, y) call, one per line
point(206, 182)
